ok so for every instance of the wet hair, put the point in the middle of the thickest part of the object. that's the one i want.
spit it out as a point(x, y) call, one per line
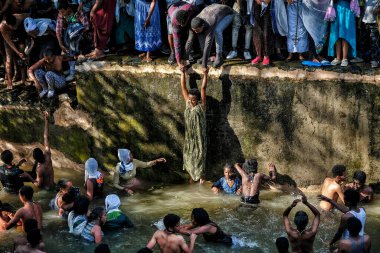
point(34, 237)
point(27, 192)
point(96, 213)
point(10, 19)
point(6, 207)
point(48, 52)
point(30, 224)
point(354, 226)
point(70, 196)
point(195, 92)
point(250, 166)
point(196, 22)
point(228, 166)
point(144, 250)
point(360, 176)
point(81, 205)
point(171, 220)
point(338, 170)
point(62, 184)
point(301, 220)
point(182, 17)
point(200, 216)
point(38, 155)
point(102, 248)
point(351, 197)
point(282, 244)
point(7, 157)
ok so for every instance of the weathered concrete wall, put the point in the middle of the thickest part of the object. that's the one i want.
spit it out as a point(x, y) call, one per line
point(303, 126)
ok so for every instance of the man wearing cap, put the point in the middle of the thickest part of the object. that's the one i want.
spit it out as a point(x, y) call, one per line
point(251, 180)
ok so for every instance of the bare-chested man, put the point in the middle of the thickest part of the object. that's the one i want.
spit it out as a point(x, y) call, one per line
point(47, 74)
point(252, 180)
point(45, 172)
point(301, 238)
point(31, 209)
point(331, 186)
point(358, 184)
point(169, 241)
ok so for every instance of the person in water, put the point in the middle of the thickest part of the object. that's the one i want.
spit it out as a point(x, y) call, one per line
point(77, 219)
point(168, 240)
point(93, 179)
point(301, 238)
point(351, 200)
point(45, 172)
point(31, 209)
point(331, 187)
point(92, 232)
point(116, 219)
point(282, 245)
point(252, 180)
point(102, 248)
point(358, 184)
point(11, 176)
point(34, 239)
point(30, 226)
point(229, 184)
point(201, 224)
point(64, 200)
point(195, 145)
point(6, 214)
point(355, 243)
point(126, 170)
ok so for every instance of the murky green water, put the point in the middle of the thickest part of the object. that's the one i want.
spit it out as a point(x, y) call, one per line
point(255, 229)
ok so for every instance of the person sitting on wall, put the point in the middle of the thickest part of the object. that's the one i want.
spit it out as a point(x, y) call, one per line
point(126, 170)
point(230, 183)
point(11, 176)
point(47, 73)
point(301, 238)
point(252, 180)
point(358, 184)
point(331, 186)
point(93, 179)
point(168, 240)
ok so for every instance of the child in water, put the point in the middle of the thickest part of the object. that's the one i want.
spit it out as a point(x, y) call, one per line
point(229, 184)
point(6, 214)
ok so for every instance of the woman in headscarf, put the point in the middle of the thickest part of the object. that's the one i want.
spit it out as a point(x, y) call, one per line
point(115, 217)
point(93, 179)
point(126, 170)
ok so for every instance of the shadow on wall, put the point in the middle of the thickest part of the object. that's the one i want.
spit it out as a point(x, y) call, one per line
point(223, 144)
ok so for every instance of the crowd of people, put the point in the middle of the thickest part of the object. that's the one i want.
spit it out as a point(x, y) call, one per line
point(242, 180)
point(43, 39)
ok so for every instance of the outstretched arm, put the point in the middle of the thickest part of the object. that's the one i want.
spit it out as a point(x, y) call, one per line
point(317, 215)
point(203, 89)
point(185, 93)
point(342, 208)
point(46, 132)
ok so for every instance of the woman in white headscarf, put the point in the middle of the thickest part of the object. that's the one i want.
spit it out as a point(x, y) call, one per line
point(93, 179)
point(116, 219)
point(126, 170)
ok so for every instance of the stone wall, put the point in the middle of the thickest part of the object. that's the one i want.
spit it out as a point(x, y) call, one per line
point(303, 125)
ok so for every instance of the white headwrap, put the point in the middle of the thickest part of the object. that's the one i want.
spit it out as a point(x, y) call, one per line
point(91, 167)
point(112, 202)
point(125, 160)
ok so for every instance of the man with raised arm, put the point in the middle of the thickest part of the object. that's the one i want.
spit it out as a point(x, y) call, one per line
point(168, 240)
point(45, 172)
point(252, 180)
point(331, 187)
point(301, 238)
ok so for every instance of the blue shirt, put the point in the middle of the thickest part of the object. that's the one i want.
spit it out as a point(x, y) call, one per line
point(222, 184)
